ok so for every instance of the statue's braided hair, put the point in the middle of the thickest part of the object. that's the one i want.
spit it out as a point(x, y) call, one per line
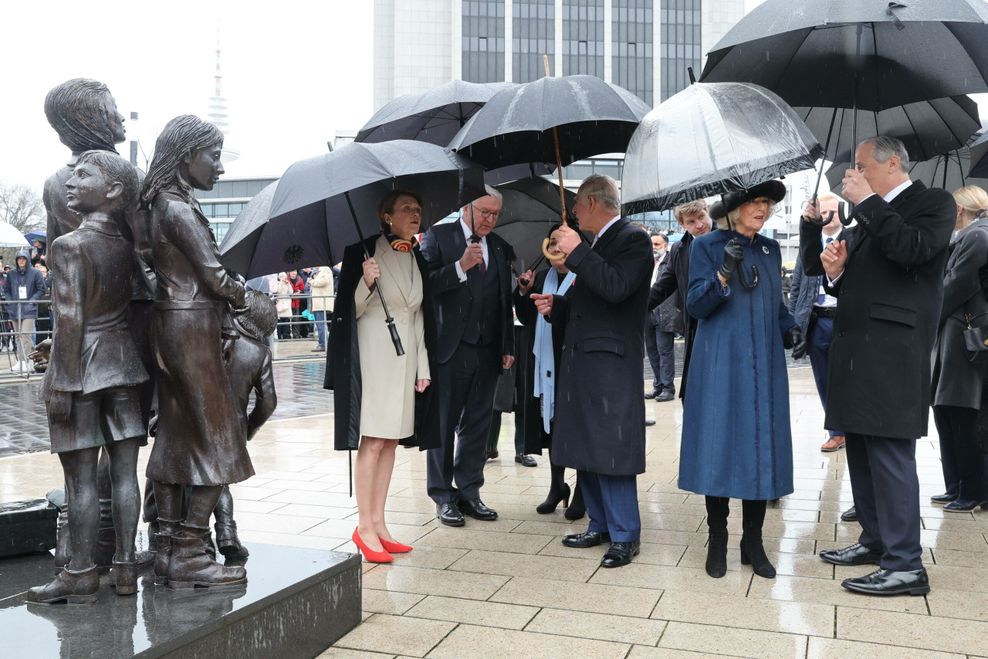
point(181, 137)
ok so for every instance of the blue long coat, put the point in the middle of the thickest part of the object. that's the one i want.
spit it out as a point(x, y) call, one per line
point(737, 440)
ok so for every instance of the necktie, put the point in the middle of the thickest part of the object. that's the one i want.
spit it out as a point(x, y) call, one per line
point(482, 267)
point(821, 296)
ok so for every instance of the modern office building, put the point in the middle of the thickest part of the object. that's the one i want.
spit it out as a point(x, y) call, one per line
point(645, 46)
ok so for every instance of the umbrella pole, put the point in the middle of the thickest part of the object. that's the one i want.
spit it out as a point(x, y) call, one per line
point(388, 319)
point(854, 106)
point(826, 149)
point(559, 159)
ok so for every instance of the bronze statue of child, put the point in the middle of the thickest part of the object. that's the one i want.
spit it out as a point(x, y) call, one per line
point(91, 385)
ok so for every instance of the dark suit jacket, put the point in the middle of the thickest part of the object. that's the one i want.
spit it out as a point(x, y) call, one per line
point(888, 308)
point(599, 423)
point(675, 278)
point(442, 246)
point(92, 349)
point(802, 295)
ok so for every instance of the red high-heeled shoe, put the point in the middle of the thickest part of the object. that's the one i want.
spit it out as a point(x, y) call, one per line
point(370, 555)
point(394, 547)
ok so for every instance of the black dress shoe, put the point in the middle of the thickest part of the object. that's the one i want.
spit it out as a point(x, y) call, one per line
point(889, 582)
point(963, 505)
point(849, 515)
point(448, 514)
point(586, 539)
point(652, 394)
point(526, 460)
point(946, 497)
point(476, 509)
point(856, 554)
point(492, 455)
point(666, 396)
point(620, 554)
point(649, 422)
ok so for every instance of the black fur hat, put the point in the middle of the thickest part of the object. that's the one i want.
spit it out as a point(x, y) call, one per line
point(774, 190)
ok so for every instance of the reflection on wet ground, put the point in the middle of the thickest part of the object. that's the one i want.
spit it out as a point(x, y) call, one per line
point(509, 588)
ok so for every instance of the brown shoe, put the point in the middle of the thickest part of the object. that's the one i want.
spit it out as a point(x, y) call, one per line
point(835, 443)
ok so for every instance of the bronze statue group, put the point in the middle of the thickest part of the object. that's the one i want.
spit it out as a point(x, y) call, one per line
point(146, 321)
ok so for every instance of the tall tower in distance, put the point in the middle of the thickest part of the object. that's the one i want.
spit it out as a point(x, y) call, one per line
point(217, 106)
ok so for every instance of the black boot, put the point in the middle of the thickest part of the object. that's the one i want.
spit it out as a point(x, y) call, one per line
point(717, 511)
point(576, 509)
point(558, 491)
point(752, 551)
point(163, 549)
point(190, 567)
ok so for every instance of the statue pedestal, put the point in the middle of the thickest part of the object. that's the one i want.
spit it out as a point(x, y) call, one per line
point(297, 603)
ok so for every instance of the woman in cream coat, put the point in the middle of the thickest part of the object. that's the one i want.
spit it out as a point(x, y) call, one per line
point(381, 399)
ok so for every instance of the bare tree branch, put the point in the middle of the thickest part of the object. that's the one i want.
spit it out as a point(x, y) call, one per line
point(21, 207)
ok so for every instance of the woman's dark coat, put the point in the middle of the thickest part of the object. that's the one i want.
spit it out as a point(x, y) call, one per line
point(343, 359)
point(956, 381)
point(527, 405)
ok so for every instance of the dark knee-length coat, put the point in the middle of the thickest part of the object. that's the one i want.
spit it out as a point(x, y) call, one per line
point(736, 440)
point(599, 423)
point(343, 359)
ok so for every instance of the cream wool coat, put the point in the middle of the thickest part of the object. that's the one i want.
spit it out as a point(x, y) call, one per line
point(388, 381)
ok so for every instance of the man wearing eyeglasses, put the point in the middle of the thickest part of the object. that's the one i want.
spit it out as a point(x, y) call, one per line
point(470, 283)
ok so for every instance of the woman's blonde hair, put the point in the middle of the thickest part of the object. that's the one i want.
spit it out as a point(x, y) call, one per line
point(733, 216)
point(972, 199)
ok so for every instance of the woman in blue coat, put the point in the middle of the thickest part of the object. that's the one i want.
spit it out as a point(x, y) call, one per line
point(736, 440)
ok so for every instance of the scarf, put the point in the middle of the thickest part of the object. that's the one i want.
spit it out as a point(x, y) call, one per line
point(545, 361)
point(400, 244)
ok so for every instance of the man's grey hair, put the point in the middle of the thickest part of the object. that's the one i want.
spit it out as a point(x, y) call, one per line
point(884, 147)
point(602, 188)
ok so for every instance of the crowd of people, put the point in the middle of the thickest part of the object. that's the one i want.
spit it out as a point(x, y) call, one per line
point(889, 310)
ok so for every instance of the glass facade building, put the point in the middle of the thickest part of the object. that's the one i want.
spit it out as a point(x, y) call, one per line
point(681, 44)
point(633, 47)
point(533, 29)
point(583, 37)
point(223, 203)
point(483, 40)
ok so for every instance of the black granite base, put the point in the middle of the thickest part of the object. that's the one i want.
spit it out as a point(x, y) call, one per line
point(297, 603)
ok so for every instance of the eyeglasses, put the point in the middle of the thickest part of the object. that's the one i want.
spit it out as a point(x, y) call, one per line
point(485, 213)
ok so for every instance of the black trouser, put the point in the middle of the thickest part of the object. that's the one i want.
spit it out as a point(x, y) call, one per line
point(886, 498)
point(467, 384)
point(963, 463)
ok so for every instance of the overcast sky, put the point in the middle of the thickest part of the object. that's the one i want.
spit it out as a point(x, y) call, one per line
point(294, 72)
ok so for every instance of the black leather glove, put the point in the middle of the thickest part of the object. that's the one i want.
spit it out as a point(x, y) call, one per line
point(733, 255)
point(794, 339)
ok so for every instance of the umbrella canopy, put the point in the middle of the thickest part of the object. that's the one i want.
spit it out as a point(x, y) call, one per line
point(37, 234)
point(311, 222)
point(978, 156)
point(240, 241)
point(515, 126)
point(869, 54)
point(530, 208)
point(713, 138)
point(927, 128)
point(11, 237)
point(432, 116)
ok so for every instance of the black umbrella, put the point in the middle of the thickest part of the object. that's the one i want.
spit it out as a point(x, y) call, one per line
point(432, 116)
point(323, 204)
point(927, 128)
point(530, 208)
point(516, 125)
point(866, 54)
point(978, 156)
point(713, 138)
point(237, 248)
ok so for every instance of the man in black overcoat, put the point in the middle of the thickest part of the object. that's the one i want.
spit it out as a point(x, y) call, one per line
point(675, 276)
point(887, 275)
point(470, 285)
point(599, 426)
